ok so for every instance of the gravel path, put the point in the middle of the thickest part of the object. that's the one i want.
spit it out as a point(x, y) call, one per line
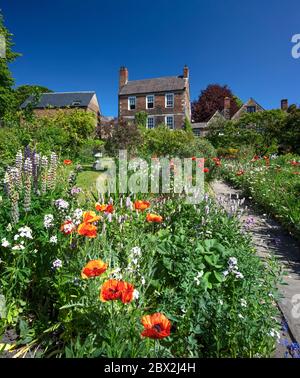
point(269, 238)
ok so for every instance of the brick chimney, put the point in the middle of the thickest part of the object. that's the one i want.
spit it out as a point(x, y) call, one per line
point(185, 72)
point(284, 105)
point(123, 79)
point(227, 107)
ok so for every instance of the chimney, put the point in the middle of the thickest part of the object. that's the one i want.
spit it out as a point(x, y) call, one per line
point(227, 107)
point(185, 72)
point(123, 79)
point(284, 105)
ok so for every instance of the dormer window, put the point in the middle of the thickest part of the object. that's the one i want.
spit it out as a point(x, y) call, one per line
point(150, 102)
point(251, 109)
point(76, 103)
point(169, 100)
point(131, 103)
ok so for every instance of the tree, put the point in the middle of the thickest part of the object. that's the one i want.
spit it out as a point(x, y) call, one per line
point(24, 91)
point(210, 100)
point(7, 100)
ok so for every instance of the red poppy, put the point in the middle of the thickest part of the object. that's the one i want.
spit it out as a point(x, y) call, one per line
point(104, 208)
point(67, 227)
point(113, 289)
point(294, 163)
point(255, 158)
point(194, 158)
point(87, 229)
point(154, 218)
point(205, 170)
point(240, 172)
point(156, 326)
point(67, 162)
point(93, 269)
point(141, 205)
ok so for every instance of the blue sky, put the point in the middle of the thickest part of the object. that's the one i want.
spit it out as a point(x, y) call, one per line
point(71, 45)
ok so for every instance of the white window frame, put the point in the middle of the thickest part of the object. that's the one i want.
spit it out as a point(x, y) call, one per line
point(166, 118)
point(166, 101)
point(129, 98)
point(151, 95)
point(153, 118)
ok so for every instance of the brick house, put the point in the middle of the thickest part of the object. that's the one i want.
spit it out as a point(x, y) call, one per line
point(49, 103)
point(250, 106)
point(165, 99)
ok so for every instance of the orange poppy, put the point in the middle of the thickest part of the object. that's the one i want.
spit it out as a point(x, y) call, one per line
point(255, 158)
point(154, 218)
point(87, 229)
point(156, 326)
point(296, 173)
point(93, 269)
point(67, 227)
point(90, 217)
point(104, 208)
point(240, 172)
point(113, 289)
point(67, 162)
point(141, 205)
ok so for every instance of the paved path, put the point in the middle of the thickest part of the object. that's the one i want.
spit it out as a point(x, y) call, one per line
point(269, 238)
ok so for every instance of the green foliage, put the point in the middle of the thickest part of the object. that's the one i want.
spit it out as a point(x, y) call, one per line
point(140, 119)
point(161, 141)
point(187, 125)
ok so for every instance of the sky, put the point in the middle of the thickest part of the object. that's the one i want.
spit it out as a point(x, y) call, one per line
point(79, 45)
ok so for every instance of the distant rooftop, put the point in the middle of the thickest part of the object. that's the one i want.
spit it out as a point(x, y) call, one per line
point(61, 100)
point(161, 84)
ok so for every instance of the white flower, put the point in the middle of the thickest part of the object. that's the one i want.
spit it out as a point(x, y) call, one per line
point(18, 247)
point(25, 232)
point(77, 216)
point(136, 294)
point(275, 333)
point(232, 261)
point(61, 204)
point(136, 251)
point(143, 281)
point(5, 243)
point(16, 237)
point(53, 239)
point(48, 221)
point(243, 303)
point(239, 275)
point(225, 273)
point(221, 302)
point(240, 316)
point(57, 264)
point(9, 227)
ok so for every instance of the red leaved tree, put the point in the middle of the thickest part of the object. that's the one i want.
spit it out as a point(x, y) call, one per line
point(210, 100)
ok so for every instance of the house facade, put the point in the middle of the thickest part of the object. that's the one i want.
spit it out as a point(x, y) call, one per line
point(166, 100)
point(49, 103)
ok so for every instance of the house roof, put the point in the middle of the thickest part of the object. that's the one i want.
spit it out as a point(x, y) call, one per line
point(61, 99)
point(250, 102)
point(161, 84)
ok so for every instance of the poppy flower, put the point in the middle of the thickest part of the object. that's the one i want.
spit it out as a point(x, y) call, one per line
point(240, 172)
point(141, 205)
point(154, 218)
point(205, 170)
point(90, 217)
point(296, 173)
point(67, 162)
point(294, 163)
point(104, 208)
point(156, 326)
point(93, 269)
point(113, 289)
point(194, 158)
point(87, 229)
point(255, 158)
point(67, 227)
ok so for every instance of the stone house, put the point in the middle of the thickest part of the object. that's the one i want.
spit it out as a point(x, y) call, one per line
point(166, 100)
point(49, 103)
